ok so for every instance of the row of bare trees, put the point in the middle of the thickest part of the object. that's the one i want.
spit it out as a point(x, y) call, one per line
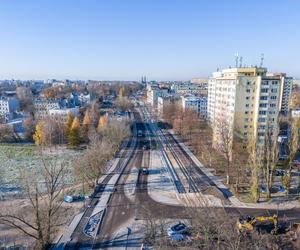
point(101, 149)
point(230, 149)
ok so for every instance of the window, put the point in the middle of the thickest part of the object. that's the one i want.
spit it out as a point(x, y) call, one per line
point(263, 105)
point(272, 105)
point(261, 119)
point(248, 90)
point(274, 90)
point(265, 83)
point(263, 98)
point(264, 90)
point(247, 97)
point(247, 105)
point(273, 97)
point(246, 112)
point(262, 112)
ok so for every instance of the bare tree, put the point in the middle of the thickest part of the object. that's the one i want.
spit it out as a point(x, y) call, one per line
point(24, 94)
point(293, 148)
point(190, 123)
point(100, 150)
point(6, 133)
point(215, 229)
point(93, 111)
point(115, 132)
point(268, 153)
point(169, 113)
point(123, 103)
point(223, 142)
point(255, 165)
point(295, 99)
point(178, 121)
point(29, 126)
point(239, 159)
point(92, 165)
point(43, 212)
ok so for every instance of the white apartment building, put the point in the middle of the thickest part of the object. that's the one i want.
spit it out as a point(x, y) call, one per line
point(42, 106)
point(153, 92)
point(8, 105)
point(197, 103)
point(248, 99)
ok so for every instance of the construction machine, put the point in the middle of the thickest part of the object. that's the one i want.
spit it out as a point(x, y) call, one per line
point(249, 223)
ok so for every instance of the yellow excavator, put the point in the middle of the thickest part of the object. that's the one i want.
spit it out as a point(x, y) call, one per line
point(248, 223)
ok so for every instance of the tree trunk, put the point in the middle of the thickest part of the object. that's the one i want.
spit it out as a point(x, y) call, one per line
point(227, 177)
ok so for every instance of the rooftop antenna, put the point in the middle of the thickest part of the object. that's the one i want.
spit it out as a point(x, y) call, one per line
point(241, 61)
point(261, 60)
point(236, 55)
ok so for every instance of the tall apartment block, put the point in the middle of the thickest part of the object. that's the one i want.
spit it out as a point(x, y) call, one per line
point(249, 99)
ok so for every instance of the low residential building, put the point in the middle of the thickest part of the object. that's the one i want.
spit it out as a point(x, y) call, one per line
point(295, 113)
point(199, 104)
point(62, 113)
point(42, 106)
point(153, 92)
point(84, 98)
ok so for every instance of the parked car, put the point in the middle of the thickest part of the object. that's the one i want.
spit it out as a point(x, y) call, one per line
point(179, 228)
point(144, 171)
point(281, 189)
point(72, 198)
point(280, 172)
point(263, 190)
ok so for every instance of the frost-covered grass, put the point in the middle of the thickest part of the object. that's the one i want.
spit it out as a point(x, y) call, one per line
point(15, 158)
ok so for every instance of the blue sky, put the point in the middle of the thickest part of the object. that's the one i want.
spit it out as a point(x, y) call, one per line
point(163, 39)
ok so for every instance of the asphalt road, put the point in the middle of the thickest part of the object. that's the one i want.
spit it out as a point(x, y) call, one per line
point(121, 210)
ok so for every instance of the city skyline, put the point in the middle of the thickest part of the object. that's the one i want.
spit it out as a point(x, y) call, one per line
point(168, 40)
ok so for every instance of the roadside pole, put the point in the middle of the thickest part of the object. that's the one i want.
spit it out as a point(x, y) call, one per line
point(128, 233)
